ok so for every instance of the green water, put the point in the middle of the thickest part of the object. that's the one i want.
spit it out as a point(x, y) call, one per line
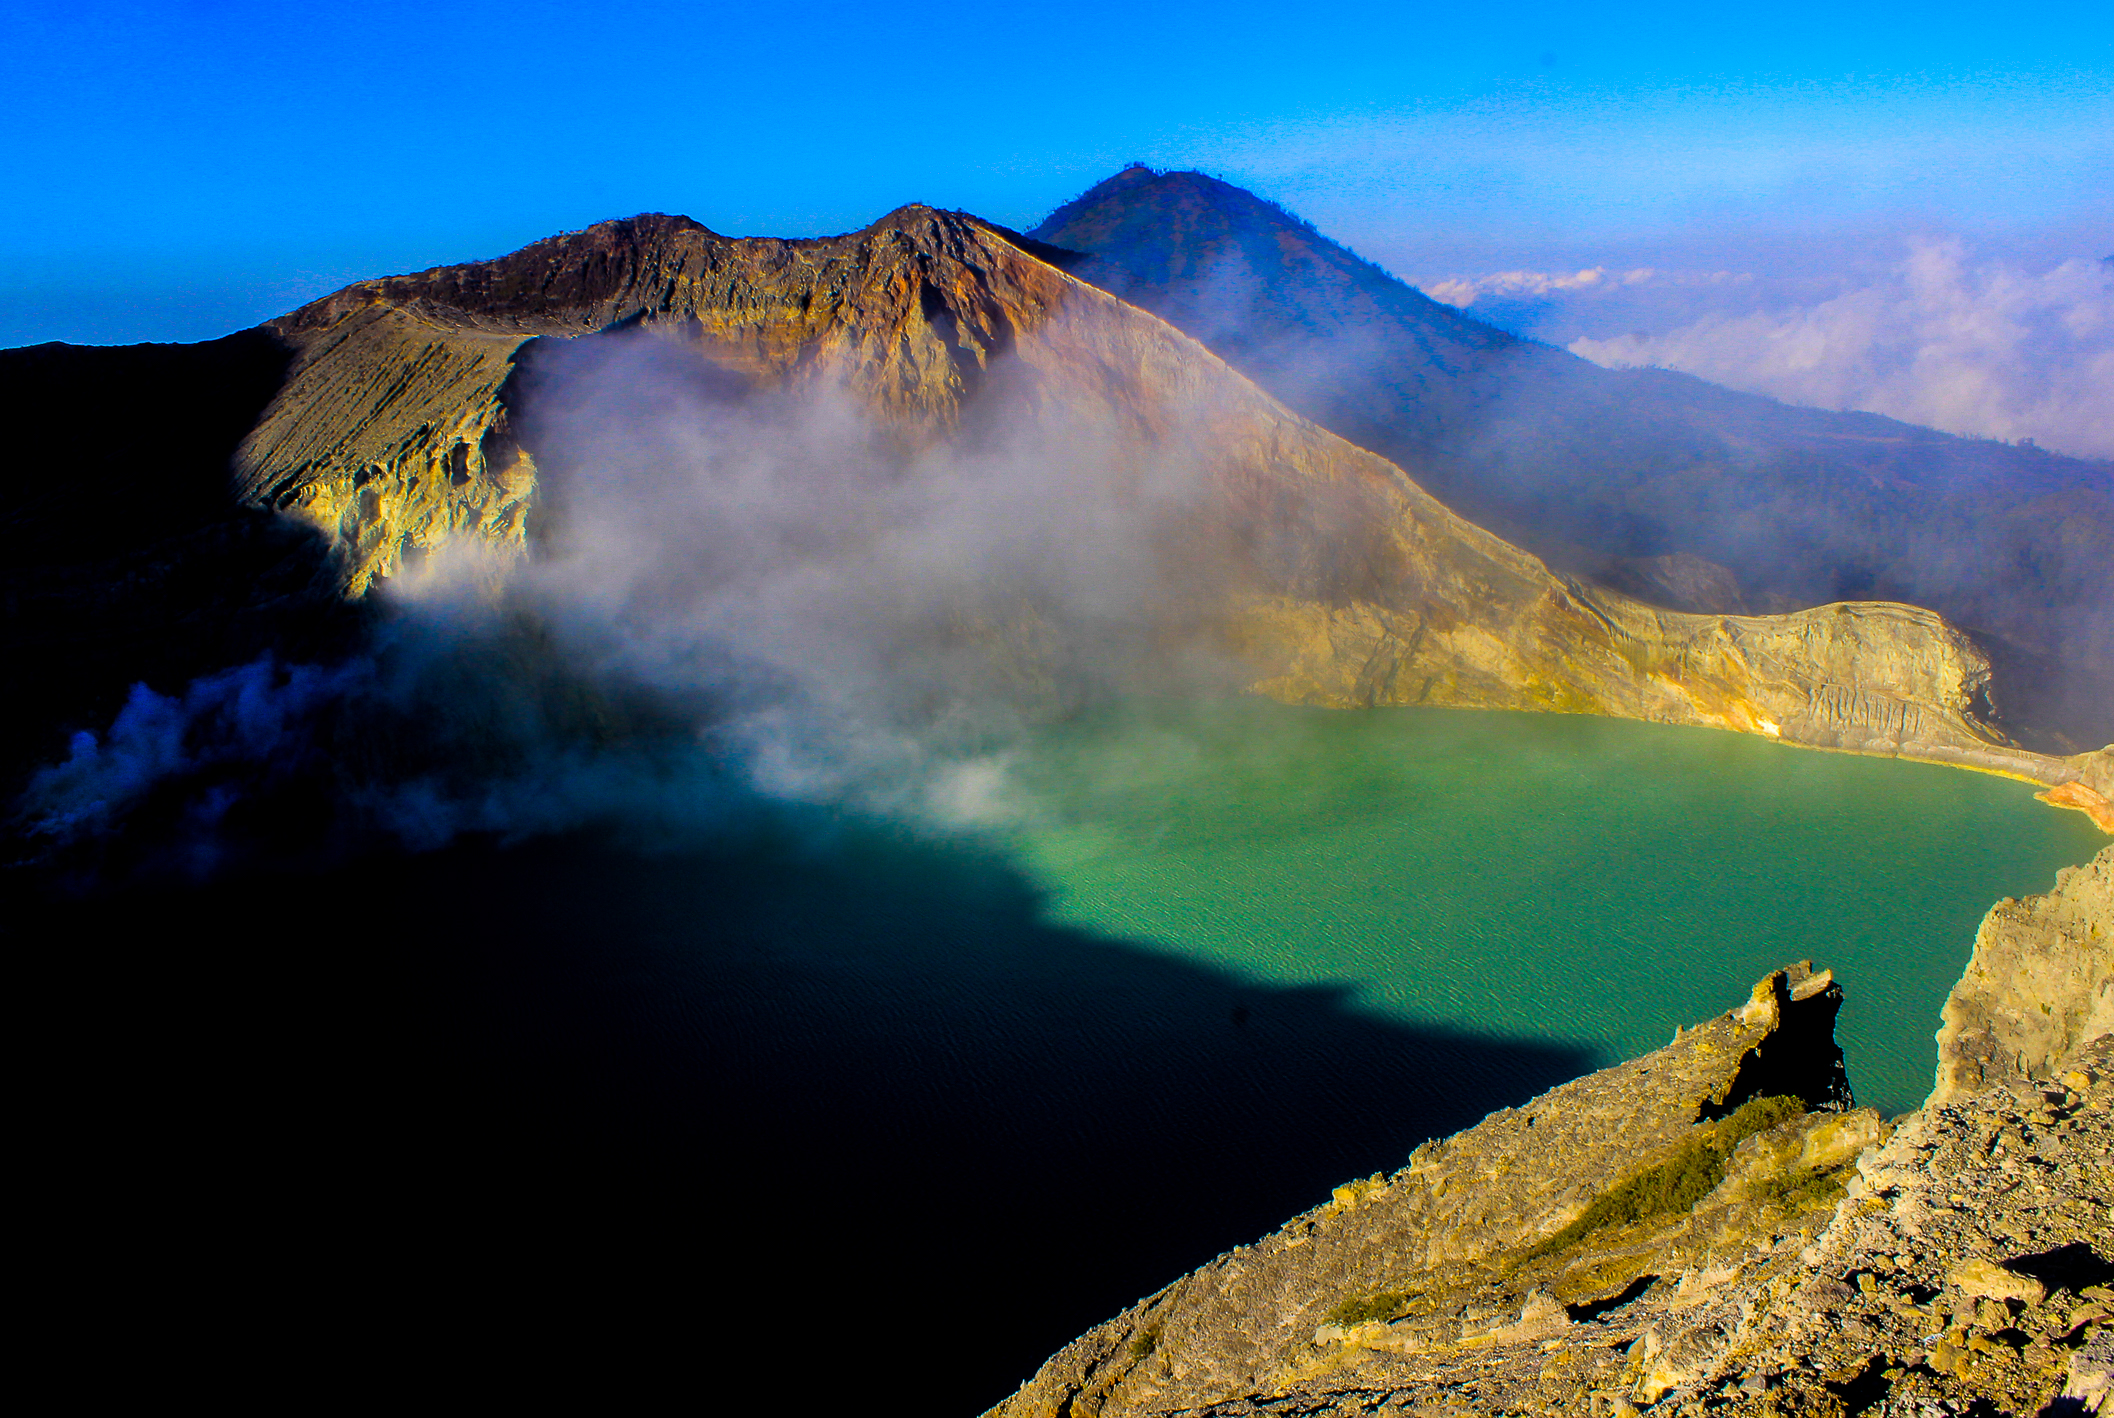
point(1582, 880)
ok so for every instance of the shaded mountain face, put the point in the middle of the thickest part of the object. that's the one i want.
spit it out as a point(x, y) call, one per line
point(1604, 472)
point(911, 481)
point(123, 554)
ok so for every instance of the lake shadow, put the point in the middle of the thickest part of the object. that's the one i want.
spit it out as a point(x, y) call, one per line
point(792, 1117)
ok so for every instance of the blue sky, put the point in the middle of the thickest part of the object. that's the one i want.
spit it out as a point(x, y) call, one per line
point(175, 171)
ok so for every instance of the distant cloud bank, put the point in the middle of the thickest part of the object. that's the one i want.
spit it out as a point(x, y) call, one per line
point(1972, 346)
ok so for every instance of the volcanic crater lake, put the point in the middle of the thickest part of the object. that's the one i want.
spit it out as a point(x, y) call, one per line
point(1590, 882)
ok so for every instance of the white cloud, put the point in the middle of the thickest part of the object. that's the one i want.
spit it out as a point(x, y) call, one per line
point(1970, 346)
point(1465, 291)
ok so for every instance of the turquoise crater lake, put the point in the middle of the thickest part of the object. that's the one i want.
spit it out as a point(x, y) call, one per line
point(1013, 1077)
point(1588, 881)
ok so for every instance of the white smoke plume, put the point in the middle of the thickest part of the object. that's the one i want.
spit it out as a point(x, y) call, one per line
point(850, 606)
point(1977, 347)
point(220, 735)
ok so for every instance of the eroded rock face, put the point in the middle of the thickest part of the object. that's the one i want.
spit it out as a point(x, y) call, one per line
point(1318, 567)
point(1824, 1263)
point(2040, 984)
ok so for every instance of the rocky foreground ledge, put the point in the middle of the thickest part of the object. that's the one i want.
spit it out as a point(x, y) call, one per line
point(1711, 1228)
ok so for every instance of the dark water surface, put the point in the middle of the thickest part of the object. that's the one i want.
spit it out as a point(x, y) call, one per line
point(839, 1109)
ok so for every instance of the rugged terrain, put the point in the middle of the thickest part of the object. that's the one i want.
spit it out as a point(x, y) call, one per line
point(1683, 494)
point(1710, 1228)
point(1306, 567)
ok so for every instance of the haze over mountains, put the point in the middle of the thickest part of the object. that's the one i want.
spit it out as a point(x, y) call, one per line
point(1609, 472)
point(1944, 335)
point(1947, 331)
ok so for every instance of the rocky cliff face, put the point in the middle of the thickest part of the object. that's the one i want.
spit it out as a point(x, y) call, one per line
point(1710, 1228)
point(2039, 987)
point(1320, 569)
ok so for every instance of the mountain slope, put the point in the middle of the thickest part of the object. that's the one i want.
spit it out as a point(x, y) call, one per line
point(123, 554)
point(1318, 567)
point(1606, 472)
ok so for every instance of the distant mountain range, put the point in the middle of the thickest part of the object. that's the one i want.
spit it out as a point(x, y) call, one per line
point(1647, 480)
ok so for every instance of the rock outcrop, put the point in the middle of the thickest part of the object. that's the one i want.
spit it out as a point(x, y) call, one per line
point(1321, 569)
point(1505, 1235)
point(2039, 986)
point(1711, 1228)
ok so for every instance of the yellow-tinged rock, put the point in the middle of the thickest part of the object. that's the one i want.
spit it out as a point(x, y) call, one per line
point(1988, 1280)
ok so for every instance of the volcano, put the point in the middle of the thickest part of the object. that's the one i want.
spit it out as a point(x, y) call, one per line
point(632, 1109)
point(387, 421)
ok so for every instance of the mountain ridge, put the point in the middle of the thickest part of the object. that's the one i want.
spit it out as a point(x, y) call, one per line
point(914, 314)
point(1601, 471)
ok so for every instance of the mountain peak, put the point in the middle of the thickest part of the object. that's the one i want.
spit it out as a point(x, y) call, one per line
point(1146, 230)
point(1262, 289)
point(1160, 195)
